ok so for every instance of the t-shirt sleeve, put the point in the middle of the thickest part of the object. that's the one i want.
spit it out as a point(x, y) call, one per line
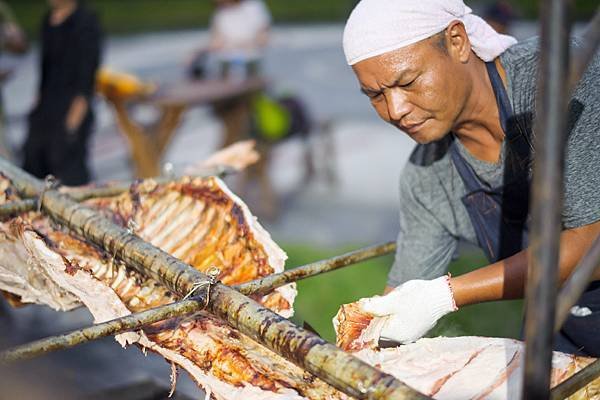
point(216, 21)
point(582, 164)
point(425, 247)
point(260, 14)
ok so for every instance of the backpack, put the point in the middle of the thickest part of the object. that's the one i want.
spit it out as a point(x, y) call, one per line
point(275, 119)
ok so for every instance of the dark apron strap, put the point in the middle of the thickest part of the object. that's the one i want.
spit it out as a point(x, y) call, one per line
point(580, 333)
point(465, 170)
point(518, 144)
point(498, 215)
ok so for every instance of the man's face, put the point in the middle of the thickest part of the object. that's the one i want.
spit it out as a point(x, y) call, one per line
point(421, 89)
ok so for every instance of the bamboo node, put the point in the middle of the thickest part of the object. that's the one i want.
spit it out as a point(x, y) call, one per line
point(50, 183)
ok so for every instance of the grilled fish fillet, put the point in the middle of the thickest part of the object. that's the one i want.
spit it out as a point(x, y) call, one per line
point(451, 368)
point(200, 222)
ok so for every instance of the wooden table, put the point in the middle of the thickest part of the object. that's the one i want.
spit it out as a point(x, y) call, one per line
point(148, 143)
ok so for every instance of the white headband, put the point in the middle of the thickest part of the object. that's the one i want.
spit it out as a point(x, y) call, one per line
point(376, 27)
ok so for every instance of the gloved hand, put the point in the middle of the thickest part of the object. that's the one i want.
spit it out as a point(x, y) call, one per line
point(412, 308)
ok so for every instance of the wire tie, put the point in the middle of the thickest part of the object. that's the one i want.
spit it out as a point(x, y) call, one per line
point(365, 391)
point(213, 273)
point(50, 183)
point(132, 226)
point(168, 170)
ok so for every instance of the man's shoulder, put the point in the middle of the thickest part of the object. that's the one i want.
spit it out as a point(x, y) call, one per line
point(521, 63)
point(526, 53)
point(523, 50)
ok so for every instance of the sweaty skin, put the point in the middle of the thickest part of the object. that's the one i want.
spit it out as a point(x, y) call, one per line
point(428, 90)
point(506, 279)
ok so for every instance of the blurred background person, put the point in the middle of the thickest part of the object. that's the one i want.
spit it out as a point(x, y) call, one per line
point(60, 123)
point(238, 36)
point(12, 41)
point(239, 33)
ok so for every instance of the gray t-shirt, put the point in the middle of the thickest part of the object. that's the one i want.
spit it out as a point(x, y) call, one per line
point(432, 216)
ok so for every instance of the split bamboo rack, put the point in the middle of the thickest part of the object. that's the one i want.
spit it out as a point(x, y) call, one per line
point(303, 348)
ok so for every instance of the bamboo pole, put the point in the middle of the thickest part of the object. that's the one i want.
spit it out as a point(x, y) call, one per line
point(108, 190)
point(576, 382)
point(14, 208)
point(26, 184)
point(308, 351)
point(103, 329)
point(546, 205)
point(184, 307)
point(268, 283)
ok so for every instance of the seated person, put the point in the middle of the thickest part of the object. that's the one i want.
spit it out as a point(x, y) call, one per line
point(239, 32)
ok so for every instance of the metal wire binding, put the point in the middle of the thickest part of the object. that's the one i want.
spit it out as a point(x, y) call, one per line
point(213, 273)
point(365, 391)
point(168, 170)
point(50, 183)
point(132, 226)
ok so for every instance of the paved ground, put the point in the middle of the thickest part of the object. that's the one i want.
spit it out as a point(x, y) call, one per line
point(361, 208)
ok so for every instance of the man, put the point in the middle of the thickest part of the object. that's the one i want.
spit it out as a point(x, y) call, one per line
point(466, 95)
point(60, 124)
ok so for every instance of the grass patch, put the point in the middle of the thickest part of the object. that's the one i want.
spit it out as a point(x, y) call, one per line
point(319, 298)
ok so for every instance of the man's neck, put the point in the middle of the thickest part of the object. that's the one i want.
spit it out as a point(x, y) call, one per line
point(478, 127)
point(61, 12)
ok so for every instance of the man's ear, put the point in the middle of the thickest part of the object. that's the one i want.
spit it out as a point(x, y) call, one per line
point(459, 45)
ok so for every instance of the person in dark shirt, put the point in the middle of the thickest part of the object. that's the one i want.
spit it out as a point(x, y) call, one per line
point(60, 123)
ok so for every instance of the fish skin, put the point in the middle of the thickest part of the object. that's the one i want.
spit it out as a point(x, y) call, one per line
point(451, 368)
point(221, 359)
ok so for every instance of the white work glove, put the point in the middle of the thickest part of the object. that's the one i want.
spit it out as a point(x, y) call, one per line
point(412, 308)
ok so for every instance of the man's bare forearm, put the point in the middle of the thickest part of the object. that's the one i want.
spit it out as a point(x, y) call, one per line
point(506, 279)
point(77, 112)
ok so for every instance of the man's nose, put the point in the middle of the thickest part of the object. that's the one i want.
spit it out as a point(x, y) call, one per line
point(398, 105)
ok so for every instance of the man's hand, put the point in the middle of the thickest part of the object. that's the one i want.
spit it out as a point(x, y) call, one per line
point(76, 114)
point(412, 309)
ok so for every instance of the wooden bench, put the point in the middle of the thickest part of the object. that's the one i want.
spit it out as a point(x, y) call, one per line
point(148, 142)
